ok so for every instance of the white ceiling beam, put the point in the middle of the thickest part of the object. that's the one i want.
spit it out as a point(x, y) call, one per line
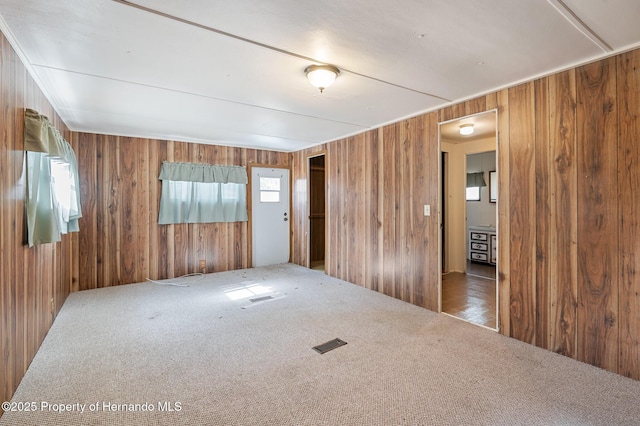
point(570, 16)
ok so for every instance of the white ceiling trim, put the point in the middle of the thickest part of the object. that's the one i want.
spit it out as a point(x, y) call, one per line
point(570, 16)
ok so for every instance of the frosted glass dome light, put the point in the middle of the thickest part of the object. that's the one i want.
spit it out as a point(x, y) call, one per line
point(321, 76)
point(466, 129)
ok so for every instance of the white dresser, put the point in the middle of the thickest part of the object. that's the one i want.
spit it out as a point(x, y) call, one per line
point(482, 244)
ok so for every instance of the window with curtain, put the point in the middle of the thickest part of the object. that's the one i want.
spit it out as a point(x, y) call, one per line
point(53, 193)
point(474, 182)
point(202, 193)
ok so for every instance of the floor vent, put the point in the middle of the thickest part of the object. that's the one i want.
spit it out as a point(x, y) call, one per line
point(261, 299)
point(330, 345)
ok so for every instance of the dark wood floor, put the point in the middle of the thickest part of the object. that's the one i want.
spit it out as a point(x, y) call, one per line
point(481, 269)
point(470, 297)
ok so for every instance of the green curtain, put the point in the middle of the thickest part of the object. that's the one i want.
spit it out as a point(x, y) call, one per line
point(202, 193)
point(475, 180)
point(53, 190)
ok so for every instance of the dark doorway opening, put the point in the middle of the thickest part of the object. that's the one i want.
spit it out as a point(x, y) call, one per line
point(317, 220)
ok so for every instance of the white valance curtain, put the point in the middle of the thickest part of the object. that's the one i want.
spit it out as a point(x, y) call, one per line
point(53, 190)
point(202, 193)
point(208, 173)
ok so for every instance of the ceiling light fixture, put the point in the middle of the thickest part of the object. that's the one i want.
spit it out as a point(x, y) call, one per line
point(466, 129)
point(321, 76)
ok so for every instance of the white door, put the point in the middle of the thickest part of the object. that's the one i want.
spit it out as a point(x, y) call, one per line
point(270, 215)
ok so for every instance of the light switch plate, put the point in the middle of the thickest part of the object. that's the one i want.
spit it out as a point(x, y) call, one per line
point(427, 210)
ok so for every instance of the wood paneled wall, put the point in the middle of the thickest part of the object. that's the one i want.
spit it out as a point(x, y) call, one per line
point(34, 282)
point(120, 239)
point(569, 210)
point(378, 183)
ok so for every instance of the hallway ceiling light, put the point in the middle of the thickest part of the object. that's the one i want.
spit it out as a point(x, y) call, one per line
point(321, 76)
point(466, 129)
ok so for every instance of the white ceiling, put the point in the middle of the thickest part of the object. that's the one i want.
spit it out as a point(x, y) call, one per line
point(232, 72)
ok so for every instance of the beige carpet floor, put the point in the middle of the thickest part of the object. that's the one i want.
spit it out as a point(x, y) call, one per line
point(149, 354)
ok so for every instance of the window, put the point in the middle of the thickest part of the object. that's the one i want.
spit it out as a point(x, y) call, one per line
point(52, 202)
point(493, 187)
point(475, 181)
point(202, 193)
point(63, 191)
point(269, 190)
point(473, 193)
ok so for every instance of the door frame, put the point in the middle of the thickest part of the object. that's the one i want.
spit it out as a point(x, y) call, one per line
point(326, 208)
point(250, 167)
point(441, 200)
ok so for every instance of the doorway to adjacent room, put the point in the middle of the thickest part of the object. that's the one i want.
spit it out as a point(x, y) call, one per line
point(469, 237)
point(316, 166)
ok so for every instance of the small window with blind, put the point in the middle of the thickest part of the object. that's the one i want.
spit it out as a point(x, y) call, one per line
point(269, 190)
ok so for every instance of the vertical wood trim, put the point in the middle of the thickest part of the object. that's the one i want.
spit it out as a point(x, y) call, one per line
point(143, 210)
point(421, 196)
point(113, 235)
point(389, 205)
point(101, 219)
point(597, 212)
point(372, 173)
point(128, 202)
point(234, 229)
point(522, 211)
point(346, 214)
point(405, 209)
point(351, 203)
point(89, 261)
point(181, 230)
point(362, 218)
point(629, 215)
point(153, 199)
point(432, 267)
point(162, 231)
point(300, 179)
point(327, 225)
point(170, 230)
point(504, 224)
point(382, 214)
point(330, 264)
point(563, 287)
point(542, 213)
point(342, 236)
